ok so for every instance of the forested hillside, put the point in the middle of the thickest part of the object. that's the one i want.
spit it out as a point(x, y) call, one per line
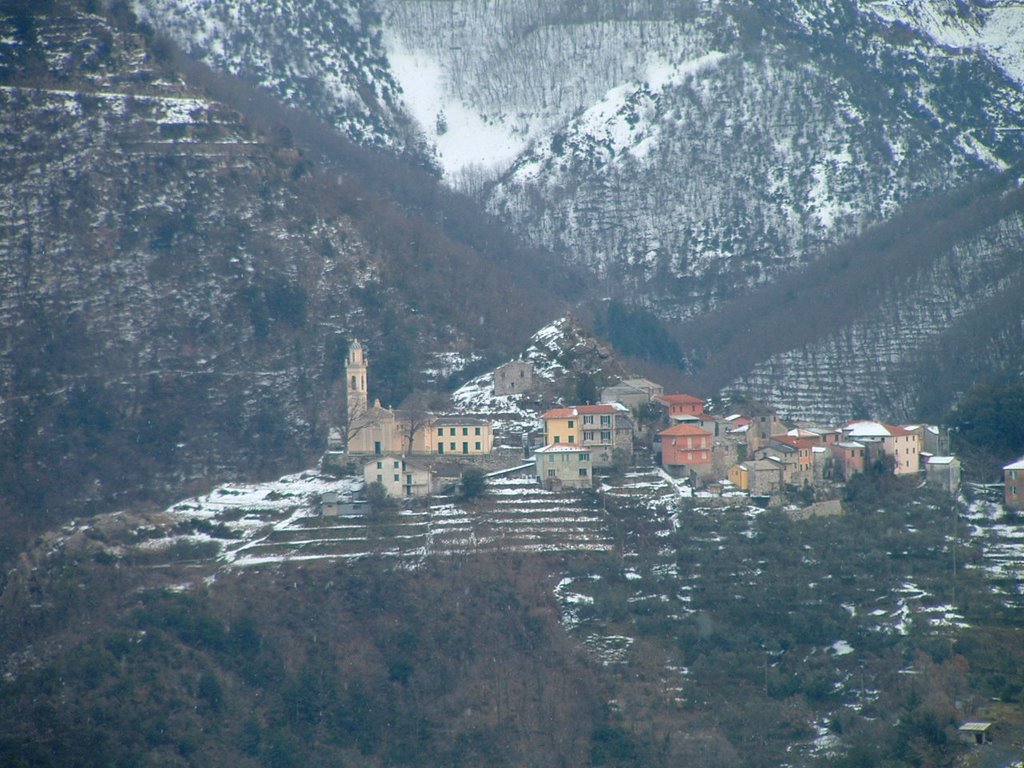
point(897, 323)
point(179, 286)
point(691, 153)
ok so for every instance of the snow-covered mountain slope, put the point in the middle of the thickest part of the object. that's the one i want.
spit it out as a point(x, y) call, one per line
point(687, 150)
point(325, 56)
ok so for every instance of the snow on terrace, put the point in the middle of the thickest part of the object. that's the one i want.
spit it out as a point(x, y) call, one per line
point(1001, 537)
point(279, 522)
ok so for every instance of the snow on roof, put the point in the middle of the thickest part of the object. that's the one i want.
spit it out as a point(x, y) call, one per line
point(850, 444)
point(866, 429)
point(560, 413)
point(942, 459)
point(819, 449)
point(740, 430)
point(563, 448)
point(1019, 464)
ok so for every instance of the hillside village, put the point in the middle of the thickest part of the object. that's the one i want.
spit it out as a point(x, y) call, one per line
point(518, 422)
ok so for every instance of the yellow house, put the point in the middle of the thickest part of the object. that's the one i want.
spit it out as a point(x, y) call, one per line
point(459, 435)
point(739, 476)
point(561, 426)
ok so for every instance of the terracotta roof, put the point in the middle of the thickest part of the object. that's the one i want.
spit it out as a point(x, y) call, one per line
point(560, 413)
point(680, 399)
point(602, 408)
point(683, 430)
point(897, 431)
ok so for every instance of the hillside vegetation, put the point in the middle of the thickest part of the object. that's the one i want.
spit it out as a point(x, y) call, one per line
point(711, 635)
point(180, 282)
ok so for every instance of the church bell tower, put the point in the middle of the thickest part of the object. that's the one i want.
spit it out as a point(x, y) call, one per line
point(355, 381)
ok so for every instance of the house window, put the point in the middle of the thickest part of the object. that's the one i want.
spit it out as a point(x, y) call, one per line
point(451, 446)
point(476, 431)
point(588, 419)
point(451, 432)
point(395, 465)
point(571, 423)
point(584, 457)
point(606, 436)
point(588, 436)
point(380, 478)
point(398, 478)
point(572, 439)
point(477, 445)
point(606, 421)
point(583, 471)
point(440, 447)
point(380, 465)
point(558, 439)
point(440, 431)
point(551, 473)
point(408, 479)
point(465, 431)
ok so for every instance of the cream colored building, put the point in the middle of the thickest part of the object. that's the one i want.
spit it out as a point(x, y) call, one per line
point(563, 466)
point(401, 477)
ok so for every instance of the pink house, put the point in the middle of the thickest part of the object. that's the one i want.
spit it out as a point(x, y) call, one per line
point(681, 405)
point(686, 446)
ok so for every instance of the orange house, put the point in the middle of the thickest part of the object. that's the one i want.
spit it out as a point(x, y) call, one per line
point(685, 445)
point(682, 405)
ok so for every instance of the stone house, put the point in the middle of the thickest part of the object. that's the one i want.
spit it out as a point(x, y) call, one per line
point(943, 472)
point(765, 477)
point(514, 378)
point(632, 393)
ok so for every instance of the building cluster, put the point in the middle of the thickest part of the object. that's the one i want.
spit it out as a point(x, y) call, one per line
point(399, 448)
point(754, 452)
point(416, 452)
point(759, 454)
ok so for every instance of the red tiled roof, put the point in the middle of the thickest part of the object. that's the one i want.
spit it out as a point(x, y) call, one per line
point(897, 431)
point(601, 408)
point(679, 399)
point(683, 430)
point(560, 413)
